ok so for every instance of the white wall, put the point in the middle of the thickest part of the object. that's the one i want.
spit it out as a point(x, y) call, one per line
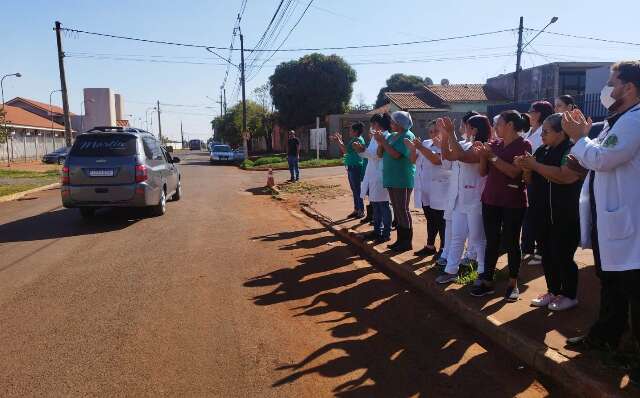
point(596, 79)
point(119, 104)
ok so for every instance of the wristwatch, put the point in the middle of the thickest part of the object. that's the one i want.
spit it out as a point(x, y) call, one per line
point(493, 159)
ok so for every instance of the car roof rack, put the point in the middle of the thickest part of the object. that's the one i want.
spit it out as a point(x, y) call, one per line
point(118, 129)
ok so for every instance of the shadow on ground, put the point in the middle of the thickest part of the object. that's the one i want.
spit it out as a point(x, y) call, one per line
point(386, 341)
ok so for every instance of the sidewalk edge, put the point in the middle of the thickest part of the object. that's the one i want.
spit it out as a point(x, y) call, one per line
point(19, 195)
point(536, 355)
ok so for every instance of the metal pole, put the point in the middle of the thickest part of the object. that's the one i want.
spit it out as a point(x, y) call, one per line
point(181, 135)
point(159, 124)
point(244, 101)
point(63, 87)
point(81, 116)
point(516, 85)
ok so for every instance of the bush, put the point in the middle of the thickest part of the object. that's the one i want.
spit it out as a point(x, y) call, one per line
point(268, 160)
point(246, 164)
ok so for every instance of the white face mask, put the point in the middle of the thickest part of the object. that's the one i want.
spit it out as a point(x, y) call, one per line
point(605, 97)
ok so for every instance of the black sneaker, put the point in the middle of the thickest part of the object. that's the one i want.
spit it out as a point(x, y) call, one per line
point(482, 289)
point(370, 236)
point(382, 239)
point(425, 251)
point(586, 343)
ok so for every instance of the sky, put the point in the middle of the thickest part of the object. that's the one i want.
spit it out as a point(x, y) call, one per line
point(188, 80)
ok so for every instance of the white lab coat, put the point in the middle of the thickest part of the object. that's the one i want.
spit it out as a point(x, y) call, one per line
point(431, 182)
point(465, 184)
point(372, 182)
point(535, 139)
point(615, 156)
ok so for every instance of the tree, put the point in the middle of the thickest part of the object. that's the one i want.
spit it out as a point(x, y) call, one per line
point(399, 82)
point(314, 85)
point(262, 95)
point(444, 82)
point(229, 126)
point(361, 106)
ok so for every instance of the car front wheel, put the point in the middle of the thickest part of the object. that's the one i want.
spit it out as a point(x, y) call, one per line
point(178, 194)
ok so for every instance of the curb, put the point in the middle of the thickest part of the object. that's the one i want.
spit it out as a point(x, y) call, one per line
point(286, 168)
point(537, 355)
point(19, 195)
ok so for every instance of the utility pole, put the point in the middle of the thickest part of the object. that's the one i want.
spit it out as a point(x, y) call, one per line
point(224, 93)
point(63, 87)
point(244, 101)
point(159, 124)
point(516, 83)
point(221, 103)
point(181, 135)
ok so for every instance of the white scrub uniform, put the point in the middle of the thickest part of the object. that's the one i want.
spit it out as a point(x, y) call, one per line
point(372, 181)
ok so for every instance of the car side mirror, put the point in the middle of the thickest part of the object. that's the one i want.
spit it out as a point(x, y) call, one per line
point(175, 160)
point(170, 148)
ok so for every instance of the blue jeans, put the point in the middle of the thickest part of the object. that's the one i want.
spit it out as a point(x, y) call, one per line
point(293, 167)
point(355, 178)
point(382, 219)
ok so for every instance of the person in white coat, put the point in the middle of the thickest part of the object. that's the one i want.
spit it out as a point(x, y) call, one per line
point(372, 182)
point(610, 206)
point(431, 188)
point(465, 191)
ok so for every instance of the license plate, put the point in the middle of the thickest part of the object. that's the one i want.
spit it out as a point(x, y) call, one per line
point(101, 173)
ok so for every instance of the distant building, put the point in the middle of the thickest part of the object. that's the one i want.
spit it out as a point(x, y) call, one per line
point(40, 108)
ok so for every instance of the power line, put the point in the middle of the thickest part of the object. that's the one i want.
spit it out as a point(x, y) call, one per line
point(589, 38)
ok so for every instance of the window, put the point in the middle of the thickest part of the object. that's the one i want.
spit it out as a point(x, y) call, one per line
point(151, 149)
point(572, 83)
point(104, 144)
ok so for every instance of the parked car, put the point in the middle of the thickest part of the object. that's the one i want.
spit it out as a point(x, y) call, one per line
point(58, 156)
point(195, 145)
point(121, 167)
point(222, 153)
point(238, 154)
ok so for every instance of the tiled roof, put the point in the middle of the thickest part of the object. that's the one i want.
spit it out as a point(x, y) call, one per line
point(19, 117)
point(122, 123)
point(410, 100)
point(56, 110)
point(451, 93)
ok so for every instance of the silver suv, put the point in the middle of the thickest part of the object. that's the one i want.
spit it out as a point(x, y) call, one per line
point(122, 167)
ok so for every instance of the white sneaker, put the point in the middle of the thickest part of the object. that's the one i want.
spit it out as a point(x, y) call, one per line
point(535, 260)
point(543, 300)
point(562, 303)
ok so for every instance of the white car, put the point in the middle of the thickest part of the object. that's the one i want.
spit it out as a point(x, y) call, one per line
point(222, 153)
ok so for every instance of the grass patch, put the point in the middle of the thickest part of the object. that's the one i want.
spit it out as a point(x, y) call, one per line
point(283, 165)
point(15, 188)
point(8, 173)
point(469, 274)
point(268, 160)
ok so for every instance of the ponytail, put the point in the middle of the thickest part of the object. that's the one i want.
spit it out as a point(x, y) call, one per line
point(514, 117)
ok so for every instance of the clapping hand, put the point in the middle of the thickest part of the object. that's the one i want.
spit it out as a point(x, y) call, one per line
point(444, 125)
point(337, 137)
point(575, 125)
point(526, 162)
point(377, 135)
point(411, 146)
point(483, 150)
point(417, 143)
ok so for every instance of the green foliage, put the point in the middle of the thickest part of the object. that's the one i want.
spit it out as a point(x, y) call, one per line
point(314, 85)
point(399, 82)
point(246, 164)
point(229, 126)
point(4, 131)
point(267, 160)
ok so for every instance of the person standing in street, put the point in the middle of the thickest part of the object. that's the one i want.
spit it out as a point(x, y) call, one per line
point(556, 212)
point(610, 206)
point(504, 201)
point(293, 155)
point(353, 162)
point(398, 172)
point(372, 182)
point(431, 188)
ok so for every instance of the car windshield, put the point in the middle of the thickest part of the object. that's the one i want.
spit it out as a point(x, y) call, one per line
point(221, 148)
point(104, 144)
point(61, 150)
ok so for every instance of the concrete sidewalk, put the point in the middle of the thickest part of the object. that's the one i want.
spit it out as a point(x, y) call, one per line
point(536, 335)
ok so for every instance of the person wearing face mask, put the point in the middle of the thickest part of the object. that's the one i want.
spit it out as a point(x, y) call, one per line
point(610, 206)
point(372, 181)
point(538, 112)
point(465, 190)
point(555, 207)
point(431, 187)
point(504, 201)
point(398, 172)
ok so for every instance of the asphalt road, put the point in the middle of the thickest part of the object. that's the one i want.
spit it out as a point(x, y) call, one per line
point(228, 295)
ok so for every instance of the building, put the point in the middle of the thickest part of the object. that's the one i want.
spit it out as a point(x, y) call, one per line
point(30, 134)
point(40, 108)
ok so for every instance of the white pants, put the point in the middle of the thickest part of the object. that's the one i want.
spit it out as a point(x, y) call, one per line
point(466, 224)
point(448, 233)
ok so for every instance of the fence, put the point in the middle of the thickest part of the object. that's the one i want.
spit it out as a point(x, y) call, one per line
point(27, 148)
point(588, 103)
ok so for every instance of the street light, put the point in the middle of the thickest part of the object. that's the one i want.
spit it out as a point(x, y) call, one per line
point(146, 117)
point(553, 20)
point(5, 122)
point(82, 104)
point(53, 141)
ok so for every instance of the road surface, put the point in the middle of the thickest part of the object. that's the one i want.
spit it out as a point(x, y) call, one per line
point(227, 295)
